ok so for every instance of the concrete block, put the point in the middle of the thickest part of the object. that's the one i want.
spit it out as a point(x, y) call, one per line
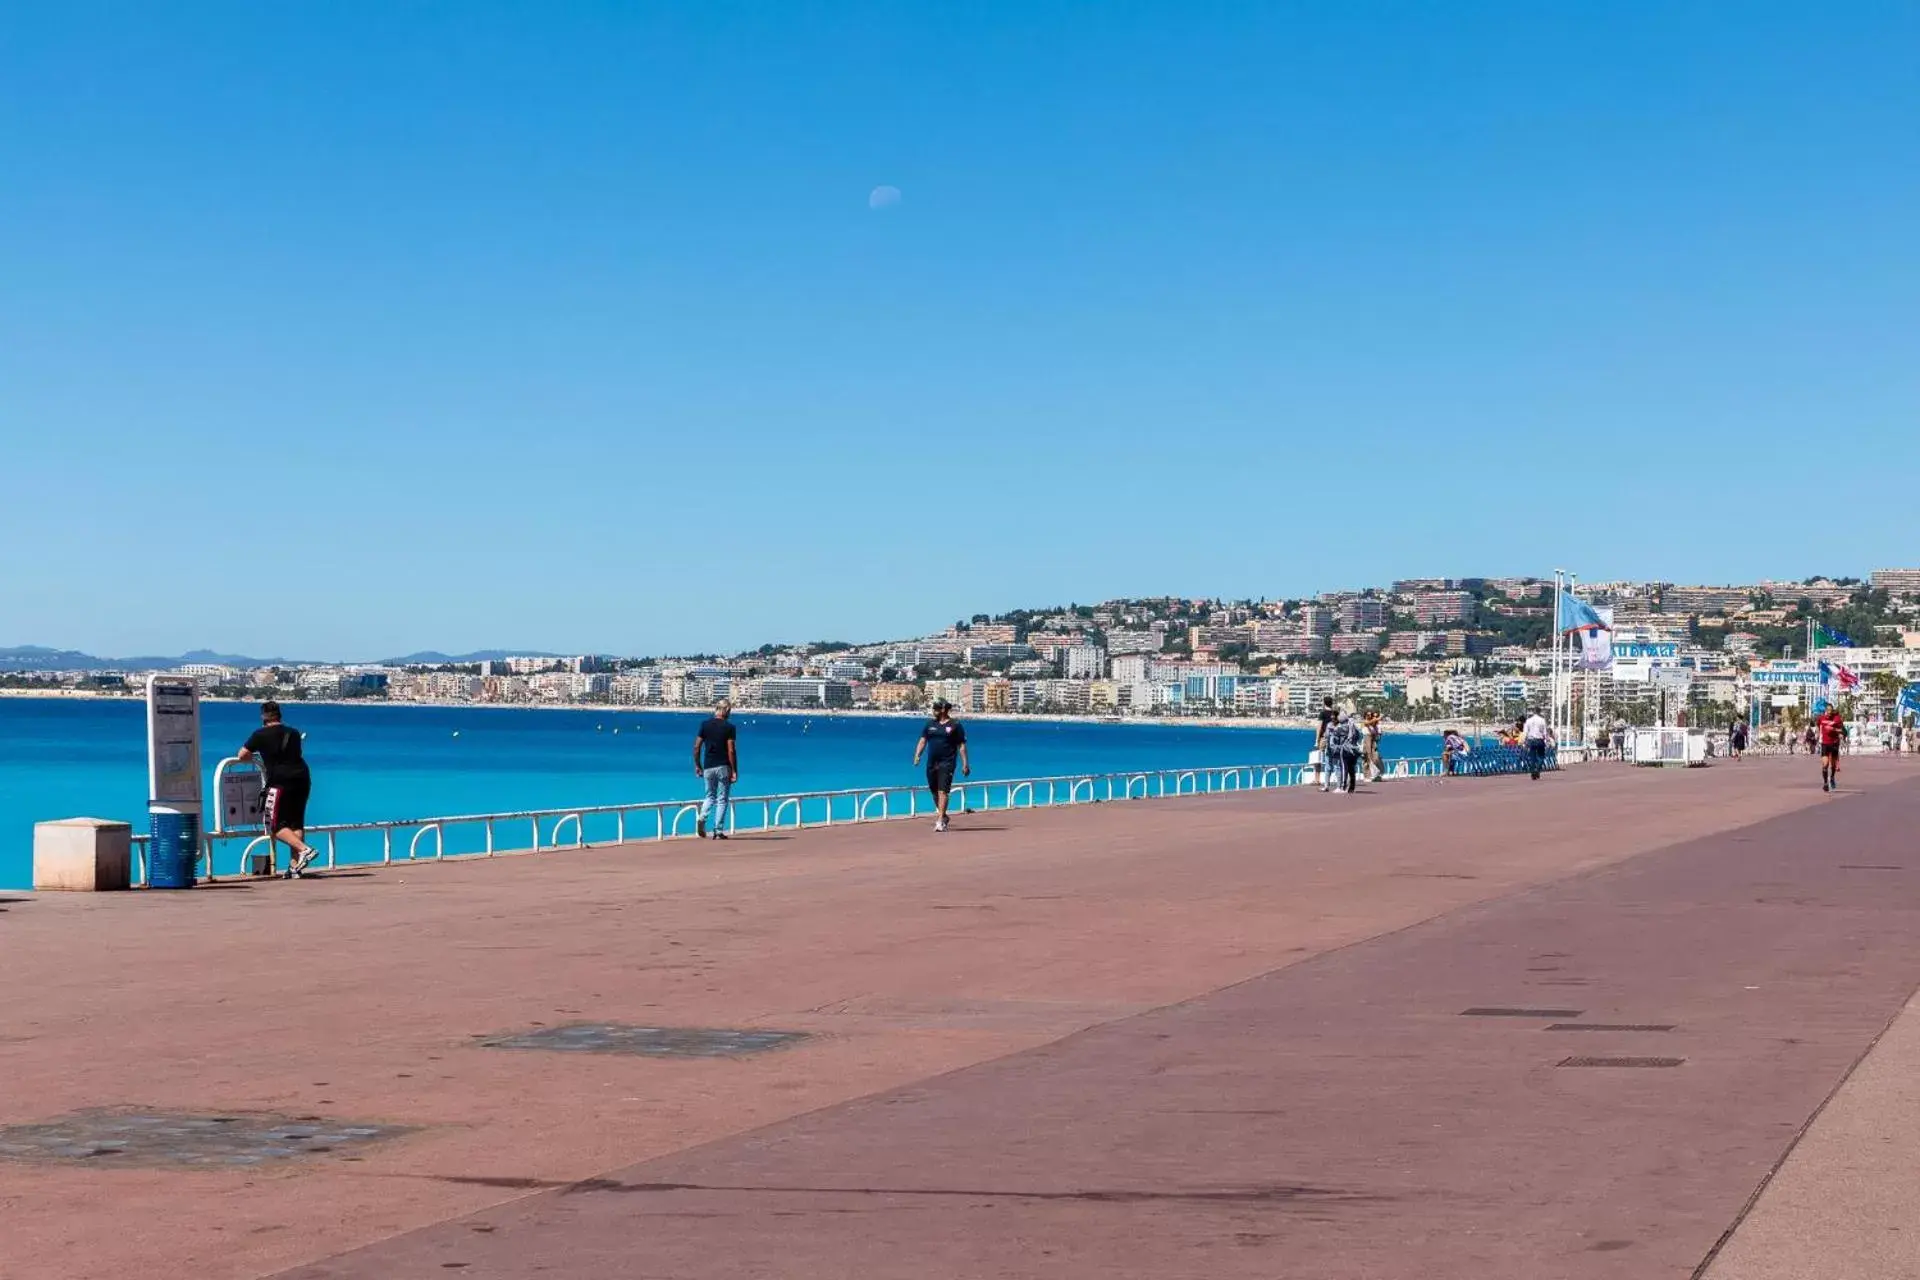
point(85, 854)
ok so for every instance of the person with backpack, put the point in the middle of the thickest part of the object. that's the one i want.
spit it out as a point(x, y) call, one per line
point(1343, 752)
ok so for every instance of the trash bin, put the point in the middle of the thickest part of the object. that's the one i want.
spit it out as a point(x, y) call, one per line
point(173, 854)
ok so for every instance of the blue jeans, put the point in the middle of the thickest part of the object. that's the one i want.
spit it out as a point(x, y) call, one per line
point(713, 809)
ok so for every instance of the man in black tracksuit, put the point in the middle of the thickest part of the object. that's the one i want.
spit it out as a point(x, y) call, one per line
point(288, 784)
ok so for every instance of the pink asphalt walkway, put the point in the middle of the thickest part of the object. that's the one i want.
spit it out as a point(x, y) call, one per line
point(1337, 1118)
point(1207, 1037)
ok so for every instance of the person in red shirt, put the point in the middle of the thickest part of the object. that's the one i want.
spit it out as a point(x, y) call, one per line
point(1832, 731)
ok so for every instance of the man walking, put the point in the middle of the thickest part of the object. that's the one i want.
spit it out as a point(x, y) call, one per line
point(716, 758)
point(1832, 730)
point(289, 783)
point(944, 743)
point(1537, 736)
point(1370, 725)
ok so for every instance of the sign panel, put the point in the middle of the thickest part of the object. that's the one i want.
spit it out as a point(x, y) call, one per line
point(1646, 649)
point(173, 742)
point(1786, 673)
point(242, 798)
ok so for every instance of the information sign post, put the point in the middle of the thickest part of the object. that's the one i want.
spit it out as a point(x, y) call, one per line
point(173, 781)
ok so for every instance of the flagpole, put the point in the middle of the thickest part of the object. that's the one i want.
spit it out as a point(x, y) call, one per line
point(1559, 638)
point(1553, 664)
point(1585, 676)
point(1573, 585)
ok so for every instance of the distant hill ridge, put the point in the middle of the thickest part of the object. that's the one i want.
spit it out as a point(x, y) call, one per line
point(33, 657)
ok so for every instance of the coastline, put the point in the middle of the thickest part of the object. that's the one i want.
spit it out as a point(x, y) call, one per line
point(607, 708)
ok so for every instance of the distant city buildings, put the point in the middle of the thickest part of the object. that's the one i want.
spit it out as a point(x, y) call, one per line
point(1899, 582)
point(1437, 608)
point(1421, 648)
point(1362, 613)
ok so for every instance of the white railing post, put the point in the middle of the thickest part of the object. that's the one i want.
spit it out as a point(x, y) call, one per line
point(969, 797)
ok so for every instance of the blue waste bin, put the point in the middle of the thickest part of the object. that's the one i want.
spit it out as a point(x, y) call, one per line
point(174, 851)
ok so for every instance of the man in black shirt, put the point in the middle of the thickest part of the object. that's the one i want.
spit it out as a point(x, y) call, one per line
point(944, 743)
point(284, 770)
point(717, 760)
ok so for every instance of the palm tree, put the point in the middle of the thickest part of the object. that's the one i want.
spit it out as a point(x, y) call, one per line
point(1885, 687)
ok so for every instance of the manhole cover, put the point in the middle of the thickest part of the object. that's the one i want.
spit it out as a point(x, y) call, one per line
point(1486, 1012)
point(149, 1138)
point(651, 1042)
point(1621, 1062)
point(1611, 1026)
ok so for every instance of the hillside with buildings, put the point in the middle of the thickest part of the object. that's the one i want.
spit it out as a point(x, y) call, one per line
point(1418, 648)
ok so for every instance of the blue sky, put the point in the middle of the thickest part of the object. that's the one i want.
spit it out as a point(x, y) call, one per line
point(347, 329)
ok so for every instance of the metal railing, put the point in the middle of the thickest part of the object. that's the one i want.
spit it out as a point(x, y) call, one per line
point(485, 835)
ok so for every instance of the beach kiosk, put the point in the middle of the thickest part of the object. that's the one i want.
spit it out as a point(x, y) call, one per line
point(173, 781)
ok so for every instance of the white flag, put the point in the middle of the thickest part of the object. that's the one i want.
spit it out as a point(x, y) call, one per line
point(1596, 643)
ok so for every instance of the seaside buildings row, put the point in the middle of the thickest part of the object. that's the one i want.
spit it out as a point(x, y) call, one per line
point(1432, 647)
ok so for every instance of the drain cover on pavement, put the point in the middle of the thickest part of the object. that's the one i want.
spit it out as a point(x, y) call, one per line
point(1621, 1062)
point(651, 1042)
point(1484, 1011)
point(149, 1138)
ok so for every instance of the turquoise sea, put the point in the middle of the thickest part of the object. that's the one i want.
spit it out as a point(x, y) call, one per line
point(71, 758)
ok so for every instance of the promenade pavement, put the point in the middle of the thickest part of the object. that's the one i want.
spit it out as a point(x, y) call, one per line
point(1199, 1037)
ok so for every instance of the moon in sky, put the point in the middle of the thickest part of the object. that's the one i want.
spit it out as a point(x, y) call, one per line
point(883, 197)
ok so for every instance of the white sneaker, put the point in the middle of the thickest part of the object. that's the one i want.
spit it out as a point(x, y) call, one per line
point(941, 825)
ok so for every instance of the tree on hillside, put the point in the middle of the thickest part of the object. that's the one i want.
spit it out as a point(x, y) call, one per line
point(1885, 686)
point(1356, 665)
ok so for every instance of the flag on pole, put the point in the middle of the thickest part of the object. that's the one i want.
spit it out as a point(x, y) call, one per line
point(1838, 678)
point(1596, 642)
point(1825, 637)
point(1593, 632)
point(1910, 700)
point(1577, 615)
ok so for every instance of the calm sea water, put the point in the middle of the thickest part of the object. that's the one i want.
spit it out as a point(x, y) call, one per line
point(74, 758)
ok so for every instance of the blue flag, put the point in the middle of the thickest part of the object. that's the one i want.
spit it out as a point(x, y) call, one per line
point(1577, 615)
